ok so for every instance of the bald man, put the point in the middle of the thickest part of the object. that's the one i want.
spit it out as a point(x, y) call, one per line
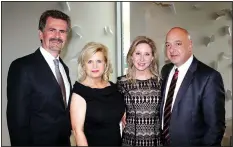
point(193, 99)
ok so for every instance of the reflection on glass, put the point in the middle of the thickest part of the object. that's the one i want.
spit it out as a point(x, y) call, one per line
point(126, 32)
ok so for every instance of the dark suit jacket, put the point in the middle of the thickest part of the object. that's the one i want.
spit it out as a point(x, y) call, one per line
point(198, 114)
point(36, 114)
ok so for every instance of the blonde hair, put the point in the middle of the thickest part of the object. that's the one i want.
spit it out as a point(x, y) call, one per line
point(130, 75)
point(89, 50)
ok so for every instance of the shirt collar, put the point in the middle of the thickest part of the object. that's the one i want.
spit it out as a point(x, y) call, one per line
point(185, 66)
point(47, 55)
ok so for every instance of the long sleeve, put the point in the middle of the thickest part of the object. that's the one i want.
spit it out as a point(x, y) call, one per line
point(18, 95)
point(214, 110)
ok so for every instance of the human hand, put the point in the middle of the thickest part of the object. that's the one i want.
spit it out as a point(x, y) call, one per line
point(123, 120)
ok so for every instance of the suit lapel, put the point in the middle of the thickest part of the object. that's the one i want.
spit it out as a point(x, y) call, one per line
point(186, 82)
point(165, 84)
point(165, 78)
point(44, 68)
point(47, 74)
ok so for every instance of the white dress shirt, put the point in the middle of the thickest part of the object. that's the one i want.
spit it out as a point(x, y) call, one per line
point(49, 59)
point(182, 72)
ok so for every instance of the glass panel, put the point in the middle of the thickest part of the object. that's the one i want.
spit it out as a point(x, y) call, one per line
point(126, 33)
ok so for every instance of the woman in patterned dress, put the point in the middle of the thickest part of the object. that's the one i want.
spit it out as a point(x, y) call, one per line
point(141, 89)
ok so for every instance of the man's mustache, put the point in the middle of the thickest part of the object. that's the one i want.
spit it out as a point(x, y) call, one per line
point(56, 39)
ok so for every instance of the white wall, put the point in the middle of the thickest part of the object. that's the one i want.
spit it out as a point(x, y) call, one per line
point(155, 21)
point(20, 36)
point(92, 17)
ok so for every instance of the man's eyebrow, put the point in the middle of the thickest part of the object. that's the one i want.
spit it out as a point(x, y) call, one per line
point(57, 29)
point(175, 41)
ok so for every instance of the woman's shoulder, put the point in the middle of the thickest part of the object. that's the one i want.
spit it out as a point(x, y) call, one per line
point(122, 78)
point(157, 80)
point(84, 91)
point(77, 87)
point(81, 88)
point(76, 84)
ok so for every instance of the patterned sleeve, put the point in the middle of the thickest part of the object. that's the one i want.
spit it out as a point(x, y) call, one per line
point(160, 80)
point(119, 85)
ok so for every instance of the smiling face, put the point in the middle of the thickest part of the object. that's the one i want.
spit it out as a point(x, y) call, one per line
point(54, 35)
point(95, 66)
point(178, 46)
point(142, 57)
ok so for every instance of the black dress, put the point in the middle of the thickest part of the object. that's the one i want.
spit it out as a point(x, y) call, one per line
point(105, 108)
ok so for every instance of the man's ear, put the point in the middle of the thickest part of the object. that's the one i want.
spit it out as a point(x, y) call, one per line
point(190, 45)
point(40, 34)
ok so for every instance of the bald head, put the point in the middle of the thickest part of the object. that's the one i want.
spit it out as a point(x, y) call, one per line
point(178, 46)
point(181, 30)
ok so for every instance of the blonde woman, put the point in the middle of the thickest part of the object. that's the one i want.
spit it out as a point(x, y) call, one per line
point(141, 89)
point(96, 105)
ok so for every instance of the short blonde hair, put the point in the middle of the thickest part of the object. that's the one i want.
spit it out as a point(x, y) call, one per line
point(130, 75)
point(89, 50)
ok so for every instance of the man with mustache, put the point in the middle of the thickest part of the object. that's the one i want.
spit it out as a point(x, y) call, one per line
point(193, 98)
point(39, 87)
